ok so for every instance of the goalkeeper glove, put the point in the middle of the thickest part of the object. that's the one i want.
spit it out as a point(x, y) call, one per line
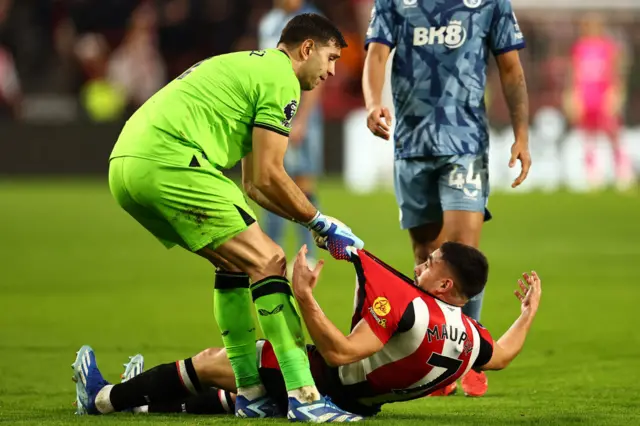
point(339, 237)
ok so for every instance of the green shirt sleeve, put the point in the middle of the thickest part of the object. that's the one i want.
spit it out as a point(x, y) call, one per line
point(277, 101)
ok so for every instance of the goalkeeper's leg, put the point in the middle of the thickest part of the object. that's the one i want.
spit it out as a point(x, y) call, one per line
point(255, 253)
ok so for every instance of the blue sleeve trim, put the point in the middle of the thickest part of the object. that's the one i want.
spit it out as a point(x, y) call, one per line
point(518, 46)
point(378, 40)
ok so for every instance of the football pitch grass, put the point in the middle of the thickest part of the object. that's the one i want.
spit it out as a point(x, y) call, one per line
point(76, 270)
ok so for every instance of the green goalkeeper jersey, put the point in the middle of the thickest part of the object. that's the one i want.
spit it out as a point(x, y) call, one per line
point(213, 107)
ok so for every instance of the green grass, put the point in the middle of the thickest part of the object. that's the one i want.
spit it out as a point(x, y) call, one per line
point(74, 269)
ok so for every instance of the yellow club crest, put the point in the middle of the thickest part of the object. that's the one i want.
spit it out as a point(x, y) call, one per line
point(381, 306)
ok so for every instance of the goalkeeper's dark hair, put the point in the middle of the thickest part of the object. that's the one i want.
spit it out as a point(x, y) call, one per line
point(468, 265)
point(311, 26)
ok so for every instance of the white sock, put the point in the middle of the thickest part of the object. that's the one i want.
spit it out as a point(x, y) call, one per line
point(141, 410)
point(305, 394)
point(103, 401)
point(252, 392)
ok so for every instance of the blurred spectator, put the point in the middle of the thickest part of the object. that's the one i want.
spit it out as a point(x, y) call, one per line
point(136, 66)
point(24, 30)
point(176, 35)
point(363, 12)
point(10, 95)
point(101, 99)
point(108, 18)
point(229, 25)
point(343, 93)
point(552, 71)
point(142, 48)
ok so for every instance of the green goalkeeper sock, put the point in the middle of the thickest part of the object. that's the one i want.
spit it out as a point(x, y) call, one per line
point(281, 325)
point(232, 306)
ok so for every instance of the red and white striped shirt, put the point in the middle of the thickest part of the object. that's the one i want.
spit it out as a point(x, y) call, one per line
point(428, 343)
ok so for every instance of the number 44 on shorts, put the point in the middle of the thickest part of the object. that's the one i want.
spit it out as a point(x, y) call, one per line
point(471, 184)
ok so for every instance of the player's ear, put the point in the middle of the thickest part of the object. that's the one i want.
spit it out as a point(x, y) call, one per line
point(446, 285)
point(306, 48)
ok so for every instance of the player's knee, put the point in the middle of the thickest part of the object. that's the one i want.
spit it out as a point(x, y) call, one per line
point(206, 356)
point(270, 262)
point(217, 261)
point(204, 363)
point(275, 263)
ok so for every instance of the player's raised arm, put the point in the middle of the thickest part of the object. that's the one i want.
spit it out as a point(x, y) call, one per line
point(511, 342)
point(336, 348)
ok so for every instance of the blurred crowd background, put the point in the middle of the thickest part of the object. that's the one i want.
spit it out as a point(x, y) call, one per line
point(96, 61)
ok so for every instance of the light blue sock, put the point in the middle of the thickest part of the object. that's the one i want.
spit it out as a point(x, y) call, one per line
point(474, 307)
point(274, 227)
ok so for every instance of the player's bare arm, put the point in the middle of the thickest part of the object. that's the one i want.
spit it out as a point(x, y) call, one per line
point(253, 192)
point(511, 342)
point(336, 348)
point(278, 192)
point(514, 87)
point(271, 180)
point(379, 117)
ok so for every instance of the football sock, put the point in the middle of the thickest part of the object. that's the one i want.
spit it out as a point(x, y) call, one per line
point(252, 392)
point(592, 168)
point(232, 304)
point(166, 382)
point(305, 235)
point(623, 165)
point(281, 325)
point(474, 306)
point(210, 401)
point(304, 394)
point(103, 402)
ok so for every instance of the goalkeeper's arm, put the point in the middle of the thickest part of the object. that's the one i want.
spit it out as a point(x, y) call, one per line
point(254, 193)
point(264, 170)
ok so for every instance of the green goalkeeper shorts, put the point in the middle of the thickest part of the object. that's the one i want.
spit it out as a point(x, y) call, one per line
point(194, 205)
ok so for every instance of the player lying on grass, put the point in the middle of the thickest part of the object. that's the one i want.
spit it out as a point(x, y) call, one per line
point(408, 339)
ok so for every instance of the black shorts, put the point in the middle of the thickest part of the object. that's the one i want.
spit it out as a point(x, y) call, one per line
point(327, 380)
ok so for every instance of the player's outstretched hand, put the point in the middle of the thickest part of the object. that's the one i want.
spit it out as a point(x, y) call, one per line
point(334, 236)
point(379, 121)
point(520, 151)
point(530, 293)
point(304, 279)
